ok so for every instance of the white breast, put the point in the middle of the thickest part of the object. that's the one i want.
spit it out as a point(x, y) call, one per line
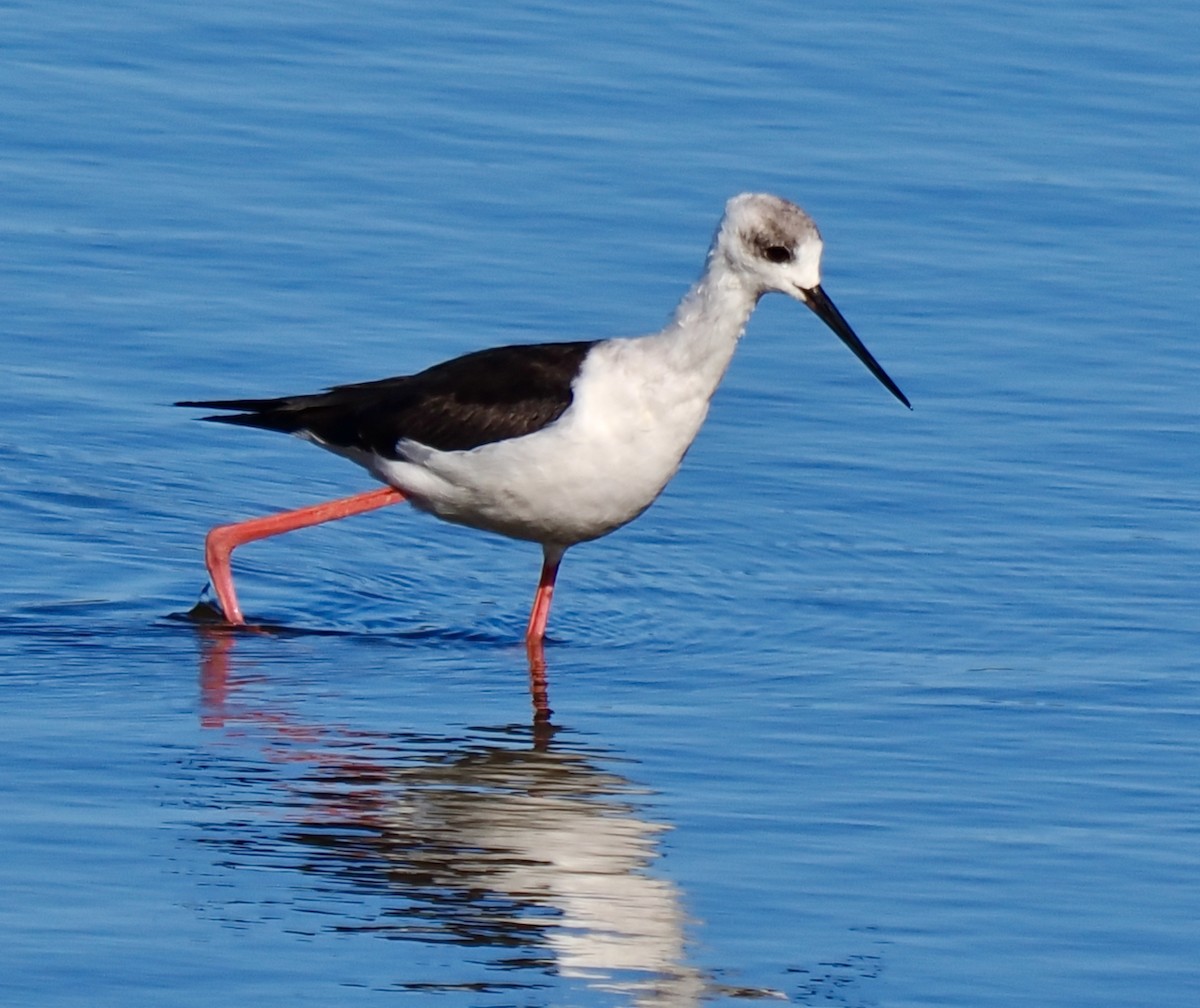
point(601, 464)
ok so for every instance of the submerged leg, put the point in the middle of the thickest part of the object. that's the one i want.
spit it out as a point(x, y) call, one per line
point(539, 692)
point(540, 614)
point(224, 539)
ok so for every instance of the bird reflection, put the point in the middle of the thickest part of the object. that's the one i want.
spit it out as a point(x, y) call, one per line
point(507, 841)
point(209, 620)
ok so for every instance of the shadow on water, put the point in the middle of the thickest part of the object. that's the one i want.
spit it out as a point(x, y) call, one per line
point(524, 844)
point(511, 841)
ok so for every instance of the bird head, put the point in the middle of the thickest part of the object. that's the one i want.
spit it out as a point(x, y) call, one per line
point(769, 244)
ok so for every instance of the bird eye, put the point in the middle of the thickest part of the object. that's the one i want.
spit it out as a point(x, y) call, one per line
point(778, 253)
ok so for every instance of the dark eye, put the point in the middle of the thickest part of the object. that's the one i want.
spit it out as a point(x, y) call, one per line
point(778, 253)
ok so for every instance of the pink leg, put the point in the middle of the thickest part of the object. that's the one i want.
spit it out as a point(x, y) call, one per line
point(540, 614)
point(539, 690)
point(224, 539)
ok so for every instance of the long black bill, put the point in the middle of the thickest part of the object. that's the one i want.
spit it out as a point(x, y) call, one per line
point(827, 312)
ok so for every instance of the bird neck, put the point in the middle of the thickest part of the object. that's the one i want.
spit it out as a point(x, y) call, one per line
point(709, 322)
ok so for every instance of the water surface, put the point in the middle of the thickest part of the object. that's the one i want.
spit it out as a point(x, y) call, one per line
point(871, 708)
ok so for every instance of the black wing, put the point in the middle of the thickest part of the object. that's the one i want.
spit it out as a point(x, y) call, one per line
point(482, 397)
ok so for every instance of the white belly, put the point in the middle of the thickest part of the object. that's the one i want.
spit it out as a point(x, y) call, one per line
point(600, 465)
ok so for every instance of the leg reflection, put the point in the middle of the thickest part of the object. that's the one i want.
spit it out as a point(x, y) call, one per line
point(534, 854)
point(539, 690)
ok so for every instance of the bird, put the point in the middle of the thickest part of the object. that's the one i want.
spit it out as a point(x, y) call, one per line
point(557, 443)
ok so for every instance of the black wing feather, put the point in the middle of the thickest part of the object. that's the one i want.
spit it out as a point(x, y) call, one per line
point(482, 397)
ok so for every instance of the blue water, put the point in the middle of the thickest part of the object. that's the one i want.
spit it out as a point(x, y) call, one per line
point(871, 708)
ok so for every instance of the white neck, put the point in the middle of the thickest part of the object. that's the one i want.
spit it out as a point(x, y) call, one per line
point(706, 327)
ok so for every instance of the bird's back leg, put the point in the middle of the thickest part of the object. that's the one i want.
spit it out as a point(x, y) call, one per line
point(224, 539)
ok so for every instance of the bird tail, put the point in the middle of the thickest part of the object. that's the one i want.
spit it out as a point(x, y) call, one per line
point(285, 415)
